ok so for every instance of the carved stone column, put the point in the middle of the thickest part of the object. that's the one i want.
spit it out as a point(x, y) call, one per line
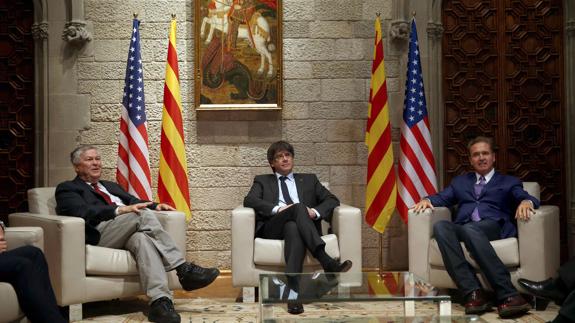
point(433, 84)
point(40, 30)
point(399, 29)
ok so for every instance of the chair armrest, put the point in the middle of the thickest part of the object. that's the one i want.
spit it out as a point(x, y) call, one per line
point(420, 232)
point(174, 223)
point(243, 234)
point(539, 244)
point(24, 236)
point(65, 250)
point(346, 224)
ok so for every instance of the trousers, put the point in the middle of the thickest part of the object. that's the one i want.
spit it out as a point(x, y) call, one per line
point(25, 268)
point(155, 251)
point(475, 236)
point(299, 232)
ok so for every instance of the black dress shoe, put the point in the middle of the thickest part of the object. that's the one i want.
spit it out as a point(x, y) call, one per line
point(544, 289)
point(162, 311)
point(337, 267)
point(192, 276)
point(294, 307)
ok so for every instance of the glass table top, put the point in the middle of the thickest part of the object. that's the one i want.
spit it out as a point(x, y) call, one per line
point(367, 286)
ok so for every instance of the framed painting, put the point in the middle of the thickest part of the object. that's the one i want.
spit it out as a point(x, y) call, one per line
point(238, 54)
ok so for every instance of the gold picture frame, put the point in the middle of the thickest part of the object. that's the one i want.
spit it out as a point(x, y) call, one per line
point(238, 55)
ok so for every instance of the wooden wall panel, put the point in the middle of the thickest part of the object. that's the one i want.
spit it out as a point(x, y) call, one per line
point(16, 105)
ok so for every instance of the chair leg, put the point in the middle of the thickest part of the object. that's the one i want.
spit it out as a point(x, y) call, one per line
point(75, 313)
point(248, 294)
point(540, 304)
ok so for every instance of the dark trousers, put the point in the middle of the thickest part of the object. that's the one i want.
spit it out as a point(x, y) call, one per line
point(476, 237)
point(25, 268)
point(566, 280)
point(299, 232)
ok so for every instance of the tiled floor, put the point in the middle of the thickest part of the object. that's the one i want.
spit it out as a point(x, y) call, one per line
point(227, 310)
point(217, 303)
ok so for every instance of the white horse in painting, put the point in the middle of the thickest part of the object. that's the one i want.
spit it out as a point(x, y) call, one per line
point(260, 31)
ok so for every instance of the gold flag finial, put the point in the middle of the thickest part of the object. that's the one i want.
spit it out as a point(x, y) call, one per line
point(378, 14)
point(173, 16)
point(135, 15)
point(413, 13)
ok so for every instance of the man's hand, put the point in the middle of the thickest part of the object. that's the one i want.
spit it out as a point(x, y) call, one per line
point(284, 208)
point(422, 206)
point(164, 207)
point(3, 242)
point(311, 213)
point(133, 208)
point(524, 210)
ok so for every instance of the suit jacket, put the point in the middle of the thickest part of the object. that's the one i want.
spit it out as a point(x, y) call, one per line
point(77, 198)
point(264, 196)
point(498, 200)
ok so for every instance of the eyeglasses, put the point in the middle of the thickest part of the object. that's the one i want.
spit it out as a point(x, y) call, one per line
point(282, 156)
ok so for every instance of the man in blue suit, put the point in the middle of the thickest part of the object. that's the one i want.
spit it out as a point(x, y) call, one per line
point(486, 203)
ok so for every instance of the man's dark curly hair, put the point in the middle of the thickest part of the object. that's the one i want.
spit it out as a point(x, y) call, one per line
point(277, 147)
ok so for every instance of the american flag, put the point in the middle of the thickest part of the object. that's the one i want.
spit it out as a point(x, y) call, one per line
point(416, 170)
point(133, 170)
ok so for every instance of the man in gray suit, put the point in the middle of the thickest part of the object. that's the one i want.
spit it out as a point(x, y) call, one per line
point(116, 219)
point(291, 206)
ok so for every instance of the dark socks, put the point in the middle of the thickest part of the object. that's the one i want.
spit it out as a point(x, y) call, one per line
point(323, 258)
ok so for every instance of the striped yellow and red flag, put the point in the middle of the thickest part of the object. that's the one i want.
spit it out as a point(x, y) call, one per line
point(173, 179)
point(381, 191)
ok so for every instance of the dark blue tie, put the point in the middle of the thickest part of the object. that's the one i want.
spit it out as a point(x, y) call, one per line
point(285, 191)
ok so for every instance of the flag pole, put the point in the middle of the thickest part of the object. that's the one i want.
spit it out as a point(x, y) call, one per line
point(380, 255)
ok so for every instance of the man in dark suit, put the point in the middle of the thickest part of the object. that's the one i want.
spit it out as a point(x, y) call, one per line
point(291, 206)
point(116, 219)
point(25, 268)
point(486, 202)
point(561, 290)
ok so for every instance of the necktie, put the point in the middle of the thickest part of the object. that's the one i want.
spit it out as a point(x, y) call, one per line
point(477, 189)
point(285, 191)
point(102, 194)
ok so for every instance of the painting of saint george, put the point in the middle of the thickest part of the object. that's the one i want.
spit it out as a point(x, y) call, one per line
point(238, 54)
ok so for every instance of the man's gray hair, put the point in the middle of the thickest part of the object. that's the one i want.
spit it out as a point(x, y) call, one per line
point(77, 153)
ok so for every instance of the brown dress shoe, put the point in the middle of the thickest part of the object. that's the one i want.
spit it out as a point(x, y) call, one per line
point(513, 306)
point(477, 303)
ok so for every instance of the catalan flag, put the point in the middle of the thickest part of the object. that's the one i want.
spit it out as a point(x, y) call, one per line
point(381, 191)
point(387, 283)
point(173, 179)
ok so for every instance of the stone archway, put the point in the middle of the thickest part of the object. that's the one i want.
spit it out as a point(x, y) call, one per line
point(60, 35)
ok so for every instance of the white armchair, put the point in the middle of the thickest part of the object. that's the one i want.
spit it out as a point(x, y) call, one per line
point(83, 273)
point(534, 254)
point(17, 237)
point(252, 257)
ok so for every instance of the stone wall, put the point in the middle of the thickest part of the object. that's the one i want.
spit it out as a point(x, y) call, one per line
point(328, 50)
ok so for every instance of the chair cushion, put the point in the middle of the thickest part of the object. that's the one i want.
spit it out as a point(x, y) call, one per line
point(507, 250)
point(269, 252)
point(42, 200)
point(10, 309)
point(101, 261)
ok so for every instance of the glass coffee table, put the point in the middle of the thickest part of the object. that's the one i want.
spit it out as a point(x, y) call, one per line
point(407, 296)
